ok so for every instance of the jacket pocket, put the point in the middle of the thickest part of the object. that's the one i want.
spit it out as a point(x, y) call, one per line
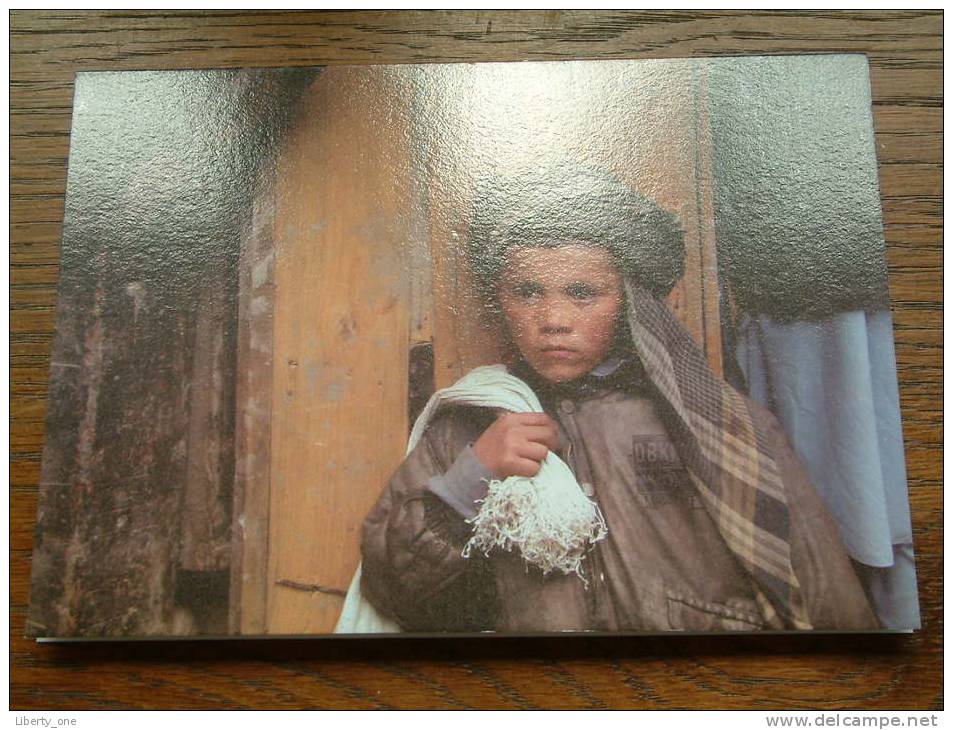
point(686, 613)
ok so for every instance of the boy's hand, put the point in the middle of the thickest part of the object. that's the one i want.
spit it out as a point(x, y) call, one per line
point(517, 443)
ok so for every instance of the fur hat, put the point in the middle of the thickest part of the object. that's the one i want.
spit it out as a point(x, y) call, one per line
point(567, 203)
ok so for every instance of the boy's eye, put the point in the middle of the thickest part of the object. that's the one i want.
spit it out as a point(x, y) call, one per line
point(527, 290)
point(581, 291)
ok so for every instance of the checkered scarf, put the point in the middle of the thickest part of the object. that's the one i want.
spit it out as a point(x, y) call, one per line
point(728, 458)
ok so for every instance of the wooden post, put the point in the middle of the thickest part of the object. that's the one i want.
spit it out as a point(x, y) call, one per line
point(341, 338)
point(253, 396)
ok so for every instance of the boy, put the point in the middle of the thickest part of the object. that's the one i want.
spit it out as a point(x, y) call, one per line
point(712, 525)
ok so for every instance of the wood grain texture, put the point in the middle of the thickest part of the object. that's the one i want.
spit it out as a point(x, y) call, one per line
point(253, 397)
point(889, 672)
point(341, 339)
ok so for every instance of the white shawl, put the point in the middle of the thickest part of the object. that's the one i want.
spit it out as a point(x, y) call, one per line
point(547, 518)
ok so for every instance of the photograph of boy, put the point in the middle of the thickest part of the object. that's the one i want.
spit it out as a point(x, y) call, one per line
point(513, 347)
point(712, 524)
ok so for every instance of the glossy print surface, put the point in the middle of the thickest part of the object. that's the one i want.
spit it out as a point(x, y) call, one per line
point(265, 273)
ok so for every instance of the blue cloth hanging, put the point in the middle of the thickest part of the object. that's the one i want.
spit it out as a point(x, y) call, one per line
point(833, 384)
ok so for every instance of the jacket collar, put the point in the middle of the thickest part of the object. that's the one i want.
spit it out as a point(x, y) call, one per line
point(616, 373)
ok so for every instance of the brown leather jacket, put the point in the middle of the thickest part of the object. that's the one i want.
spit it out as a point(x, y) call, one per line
point(663, 566)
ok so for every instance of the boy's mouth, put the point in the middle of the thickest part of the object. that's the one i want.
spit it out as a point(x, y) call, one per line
point(558, 351)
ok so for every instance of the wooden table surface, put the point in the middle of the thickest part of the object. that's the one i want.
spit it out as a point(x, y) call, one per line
point(885, 672)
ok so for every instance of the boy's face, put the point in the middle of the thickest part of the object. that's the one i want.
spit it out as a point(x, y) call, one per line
point(561, 305)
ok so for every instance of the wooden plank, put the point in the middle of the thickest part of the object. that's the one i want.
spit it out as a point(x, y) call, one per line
point(253, 395)
point(341, 313)
point(34, 281)
point(33, 209)
point(907, 148)
point(39, 150)
point(465, 334)
point(262, 38)
point(901, 119)
point(204, 540)
point(30, 124)
point(910, 180)
point(709, 292)
point(108, 527)
point(421, 383)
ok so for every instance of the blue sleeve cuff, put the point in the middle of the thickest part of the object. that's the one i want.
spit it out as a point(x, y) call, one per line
point(465, 482)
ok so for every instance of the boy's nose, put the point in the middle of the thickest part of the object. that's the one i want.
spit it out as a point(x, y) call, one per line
point(555, 317)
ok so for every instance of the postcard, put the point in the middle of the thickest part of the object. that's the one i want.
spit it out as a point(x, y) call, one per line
point(503, 348)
